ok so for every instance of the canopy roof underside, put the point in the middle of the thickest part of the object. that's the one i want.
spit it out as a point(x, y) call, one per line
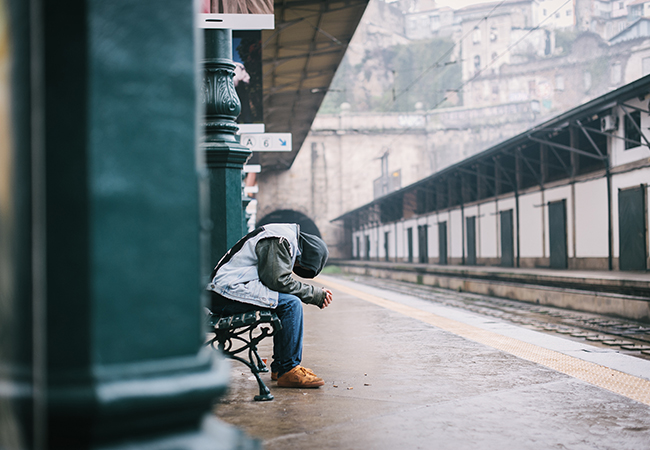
point(299, 60)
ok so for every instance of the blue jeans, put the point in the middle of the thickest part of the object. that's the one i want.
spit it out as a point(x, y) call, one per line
point(287, 343)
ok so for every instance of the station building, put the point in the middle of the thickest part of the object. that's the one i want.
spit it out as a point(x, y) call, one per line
point(570, 193)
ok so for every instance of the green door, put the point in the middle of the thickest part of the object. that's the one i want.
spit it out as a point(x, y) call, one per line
point(507, 244)
point(557, 234)
point(442, 242)
point(423, 244)
point(632, 228)
point(471, 240)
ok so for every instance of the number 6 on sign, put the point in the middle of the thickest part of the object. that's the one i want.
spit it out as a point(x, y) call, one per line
point(267, 142)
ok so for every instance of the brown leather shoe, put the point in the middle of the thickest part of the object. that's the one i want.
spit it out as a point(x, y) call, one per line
point(299, 377)
point(274, 375)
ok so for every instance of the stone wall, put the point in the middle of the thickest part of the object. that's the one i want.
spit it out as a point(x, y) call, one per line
point(334, 171)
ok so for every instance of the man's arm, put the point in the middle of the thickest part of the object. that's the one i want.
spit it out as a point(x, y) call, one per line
point(275, 269)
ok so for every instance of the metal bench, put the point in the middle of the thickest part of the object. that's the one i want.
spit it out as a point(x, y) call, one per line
point(242, 332)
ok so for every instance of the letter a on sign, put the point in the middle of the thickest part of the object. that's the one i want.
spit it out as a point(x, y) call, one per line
point(267, 142)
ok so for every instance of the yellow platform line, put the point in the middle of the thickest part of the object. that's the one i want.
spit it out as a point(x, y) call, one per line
point(621, 383)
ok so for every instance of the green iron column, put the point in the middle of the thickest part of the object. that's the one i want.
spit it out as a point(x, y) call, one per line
point(224, 156)
point(99, 221)
point(18, 390)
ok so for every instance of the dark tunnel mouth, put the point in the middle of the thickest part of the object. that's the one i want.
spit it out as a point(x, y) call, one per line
point(290, 216)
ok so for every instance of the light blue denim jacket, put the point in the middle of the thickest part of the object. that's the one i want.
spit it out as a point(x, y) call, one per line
point(238, 279)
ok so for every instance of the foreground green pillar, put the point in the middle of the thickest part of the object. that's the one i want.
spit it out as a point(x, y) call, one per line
point(224, 156)
point(100, 255)
point(18, 387)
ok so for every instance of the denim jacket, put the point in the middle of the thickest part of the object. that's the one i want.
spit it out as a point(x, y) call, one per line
point(236, 276)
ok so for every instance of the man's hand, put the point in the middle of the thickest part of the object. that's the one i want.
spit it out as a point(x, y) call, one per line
point(328, 298)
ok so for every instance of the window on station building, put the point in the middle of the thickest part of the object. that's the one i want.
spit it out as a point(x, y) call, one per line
point(477, 63)
point(493, 34)
point(568, 12)
point(632, 135)
point(559, 83)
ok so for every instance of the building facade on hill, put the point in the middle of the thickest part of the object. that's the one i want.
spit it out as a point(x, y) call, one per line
point(439, 22)
point(591, 68)
point(423, 20)
point(554, 14)
point(639, 29)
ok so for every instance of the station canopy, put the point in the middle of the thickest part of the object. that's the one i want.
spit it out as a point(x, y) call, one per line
point(570, 145)
point(299, 60)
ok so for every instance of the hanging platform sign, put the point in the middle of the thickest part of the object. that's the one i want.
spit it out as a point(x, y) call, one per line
point(237, 15)
point(267, 142)
point(237, 21)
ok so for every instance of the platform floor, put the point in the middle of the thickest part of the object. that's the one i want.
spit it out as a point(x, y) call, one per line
point(406, 373)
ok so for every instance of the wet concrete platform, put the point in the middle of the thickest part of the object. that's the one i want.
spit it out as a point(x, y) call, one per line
point(403, 372)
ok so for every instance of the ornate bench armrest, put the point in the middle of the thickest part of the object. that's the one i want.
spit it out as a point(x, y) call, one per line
point(245, 319)
point(240, 329)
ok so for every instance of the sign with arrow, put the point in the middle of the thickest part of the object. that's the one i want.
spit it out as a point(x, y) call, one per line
point(267, 142)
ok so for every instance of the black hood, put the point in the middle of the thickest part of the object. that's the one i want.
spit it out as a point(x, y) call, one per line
point(313, 255)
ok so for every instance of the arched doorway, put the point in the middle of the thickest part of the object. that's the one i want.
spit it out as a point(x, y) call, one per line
point(289, 216)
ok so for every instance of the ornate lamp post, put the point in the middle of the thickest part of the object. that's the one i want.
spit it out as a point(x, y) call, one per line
point(224, 156)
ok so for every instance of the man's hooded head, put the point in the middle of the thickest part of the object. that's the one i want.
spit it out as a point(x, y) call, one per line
point(313, 255)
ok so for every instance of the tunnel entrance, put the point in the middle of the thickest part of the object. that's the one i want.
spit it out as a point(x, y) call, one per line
point(289, 216)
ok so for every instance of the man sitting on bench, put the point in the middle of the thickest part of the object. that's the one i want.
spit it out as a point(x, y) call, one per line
point(256, 274)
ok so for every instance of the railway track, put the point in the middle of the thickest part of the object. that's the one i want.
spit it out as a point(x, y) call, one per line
point(624, 335)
